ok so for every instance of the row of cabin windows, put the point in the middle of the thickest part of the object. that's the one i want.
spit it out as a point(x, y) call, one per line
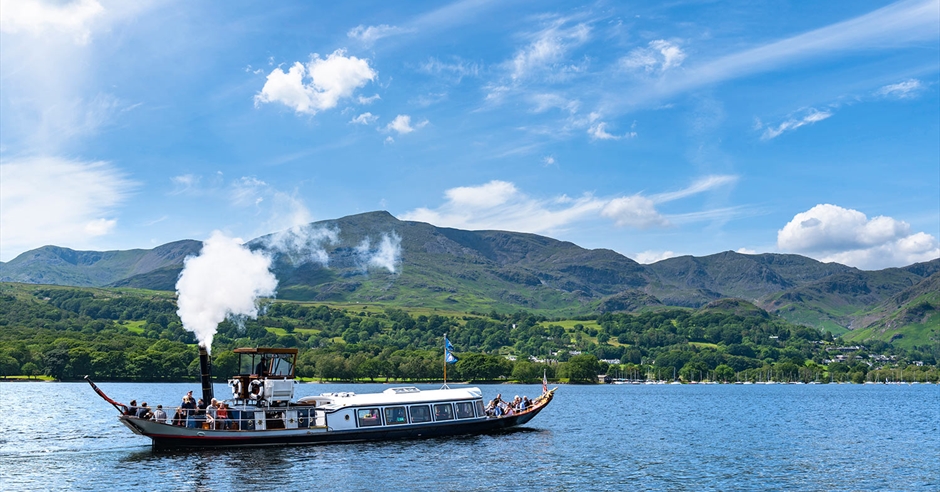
point(369, 417)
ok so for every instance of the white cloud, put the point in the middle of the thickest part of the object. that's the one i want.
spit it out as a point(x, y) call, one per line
point(41, 18)
point(647, 257)
point(364, 119)
point(549, 160)
point(402, 124)
point(811, 116)
point(660, 55)
point(368, 100)
point(500, 205)
point(908, 89)
point(50, 200)
point(371, 34)
point(319, 85)
point(636, 211)
point(746, 251)
point(832, 233)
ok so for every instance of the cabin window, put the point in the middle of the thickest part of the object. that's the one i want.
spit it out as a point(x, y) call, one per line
point(465, 410)
point(420, 413)
point(479, 406)
point(443, 411)
point(369, 417)
point(395, 415)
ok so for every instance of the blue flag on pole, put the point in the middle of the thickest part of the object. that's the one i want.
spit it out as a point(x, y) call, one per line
point(449, 356)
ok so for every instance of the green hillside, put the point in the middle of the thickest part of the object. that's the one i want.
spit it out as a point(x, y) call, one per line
point(909, 319)
point(503, 272)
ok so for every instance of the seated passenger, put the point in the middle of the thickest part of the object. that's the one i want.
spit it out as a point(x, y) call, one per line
point(221, 416)
point(178, 418)
point(159, 415)
point(131, 409)
point(144, 412)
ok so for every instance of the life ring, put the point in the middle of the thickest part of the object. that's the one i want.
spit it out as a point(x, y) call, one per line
point(236, 387)
point(256, 388)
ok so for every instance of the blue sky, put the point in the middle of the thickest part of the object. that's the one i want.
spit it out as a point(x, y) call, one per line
point(652, 130)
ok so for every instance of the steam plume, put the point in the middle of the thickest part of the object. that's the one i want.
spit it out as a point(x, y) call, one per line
point(303, 243)
point(225, 279)
point(387, 255)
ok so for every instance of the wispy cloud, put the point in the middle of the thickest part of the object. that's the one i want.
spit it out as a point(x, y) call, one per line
point(659, 56)
point(700, 185)
point(51, 200)
point(890, 26)
point(908, 89)
point(809, 117)
point(364, 119)
point(402, 125)
point(368, 35)
point(456, 70)
point(547, 48)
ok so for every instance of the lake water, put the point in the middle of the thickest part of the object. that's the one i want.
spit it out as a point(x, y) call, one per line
point(62, 436)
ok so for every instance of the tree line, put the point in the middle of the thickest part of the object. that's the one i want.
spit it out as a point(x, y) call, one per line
point(67, 333)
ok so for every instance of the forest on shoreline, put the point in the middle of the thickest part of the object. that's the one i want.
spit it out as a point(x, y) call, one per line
point(125, 335)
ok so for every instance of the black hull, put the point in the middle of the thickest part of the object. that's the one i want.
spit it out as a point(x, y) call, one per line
point(280, 438)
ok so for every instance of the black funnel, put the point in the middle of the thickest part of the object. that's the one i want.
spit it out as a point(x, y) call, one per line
point(205, 367)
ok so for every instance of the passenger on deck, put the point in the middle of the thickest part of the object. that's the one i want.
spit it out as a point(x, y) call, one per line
point(494, 408)
point(159, 415)
point(527, 402)
point(131, 409)
point(200, 413)
point(221, 415)
point(210, 412)
point(178, 418)
point(144, 412)
point(188, 408)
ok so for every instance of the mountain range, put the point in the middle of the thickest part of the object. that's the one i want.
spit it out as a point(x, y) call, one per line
point(376, 258)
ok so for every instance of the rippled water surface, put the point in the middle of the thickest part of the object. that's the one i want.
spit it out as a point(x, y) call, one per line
point(61, 436)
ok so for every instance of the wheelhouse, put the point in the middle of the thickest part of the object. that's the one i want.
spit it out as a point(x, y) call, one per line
point(264, 375)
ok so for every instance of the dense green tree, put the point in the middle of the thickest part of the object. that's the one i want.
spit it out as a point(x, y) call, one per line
point(582, 369)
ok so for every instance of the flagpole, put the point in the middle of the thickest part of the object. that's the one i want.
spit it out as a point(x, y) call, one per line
point(445, 360)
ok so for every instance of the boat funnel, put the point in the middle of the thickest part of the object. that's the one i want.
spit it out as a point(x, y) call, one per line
point(205, 368)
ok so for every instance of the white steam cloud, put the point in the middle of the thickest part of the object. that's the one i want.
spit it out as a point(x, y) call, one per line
point(225, 279)
point(303, 244)
point(386, 255)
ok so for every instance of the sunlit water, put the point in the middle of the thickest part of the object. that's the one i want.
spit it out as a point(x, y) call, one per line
point(61, 436)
